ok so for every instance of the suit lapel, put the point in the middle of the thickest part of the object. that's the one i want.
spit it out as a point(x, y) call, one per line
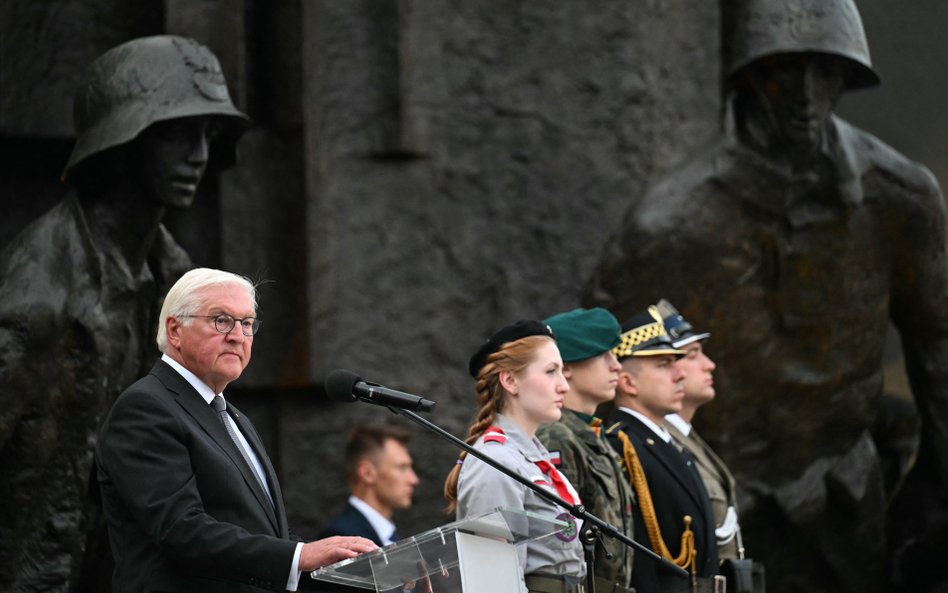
point(671, 459)
point(207, 418)
point(367, 527)
point(708, 457)
point(257, 445)
point(695, 447)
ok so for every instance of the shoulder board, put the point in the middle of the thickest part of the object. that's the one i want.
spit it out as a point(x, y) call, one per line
point(495, 434)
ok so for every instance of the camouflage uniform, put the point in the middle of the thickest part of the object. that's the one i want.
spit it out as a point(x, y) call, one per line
point(591, 465)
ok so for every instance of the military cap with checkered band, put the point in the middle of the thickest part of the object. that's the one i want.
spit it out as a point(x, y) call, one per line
point(644, 335)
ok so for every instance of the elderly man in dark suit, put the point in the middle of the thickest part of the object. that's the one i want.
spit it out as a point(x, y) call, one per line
point(191, 498)
point(672, 505)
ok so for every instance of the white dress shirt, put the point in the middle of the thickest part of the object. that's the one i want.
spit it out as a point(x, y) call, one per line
point(382, 525)
point(680, 423)
point(659, 431)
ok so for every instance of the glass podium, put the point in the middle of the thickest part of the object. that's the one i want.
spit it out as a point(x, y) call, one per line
point(473, 555)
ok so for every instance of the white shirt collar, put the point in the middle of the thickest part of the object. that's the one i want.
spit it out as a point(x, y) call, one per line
point(679, 423)
point(200, 386)
point(381, 525)
point(658, 430)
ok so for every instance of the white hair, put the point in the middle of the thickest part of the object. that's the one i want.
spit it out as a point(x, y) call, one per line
point(183, 299)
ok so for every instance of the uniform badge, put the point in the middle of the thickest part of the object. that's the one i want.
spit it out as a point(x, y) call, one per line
point(495, 434)
point(555, 458)
point(568, 533)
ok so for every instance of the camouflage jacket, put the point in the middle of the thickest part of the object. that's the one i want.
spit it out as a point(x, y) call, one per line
point(593, 467)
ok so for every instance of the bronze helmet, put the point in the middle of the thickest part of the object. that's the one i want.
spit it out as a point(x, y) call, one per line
point(767, 27)
point(148, 80)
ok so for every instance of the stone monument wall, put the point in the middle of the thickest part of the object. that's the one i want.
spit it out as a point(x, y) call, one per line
point(419, 174)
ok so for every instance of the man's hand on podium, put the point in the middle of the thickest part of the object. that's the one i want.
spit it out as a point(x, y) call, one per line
point(333, 549)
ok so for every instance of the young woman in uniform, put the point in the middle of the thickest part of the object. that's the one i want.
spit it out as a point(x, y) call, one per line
point(520, 385)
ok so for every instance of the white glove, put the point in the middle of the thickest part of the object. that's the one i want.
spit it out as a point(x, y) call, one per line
point(728, 529)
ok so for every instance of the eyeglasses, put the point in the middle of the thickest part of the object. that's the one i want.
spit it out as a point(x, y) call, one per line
point(225, 323)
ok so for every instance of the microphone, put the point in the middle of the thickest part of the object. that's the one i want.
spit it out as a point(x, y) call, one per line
point(345, 386)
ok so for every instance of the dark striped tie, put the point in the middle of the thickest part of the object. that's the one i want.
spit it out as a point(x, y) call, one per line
point(220, 406)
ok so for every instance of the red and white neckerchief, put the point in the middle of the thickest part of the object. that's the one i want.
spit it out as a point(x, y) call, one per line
point(563, 488)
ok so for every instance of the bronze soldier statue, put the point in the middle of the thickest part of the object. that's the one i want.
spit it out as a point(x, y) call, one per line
point(796, 240)
point(80, 288)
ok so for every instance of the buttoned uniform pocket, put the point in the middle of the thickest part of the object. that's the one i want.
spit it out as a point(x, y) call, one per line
point(602, 470)
point(607, 500)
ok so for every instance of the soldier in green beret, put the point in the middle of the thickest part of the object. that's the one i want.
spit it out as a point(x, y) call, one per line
point(585, 338)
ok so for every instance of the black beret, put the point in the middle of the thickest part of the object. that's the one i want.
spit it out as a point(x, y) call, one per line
point(510, 333)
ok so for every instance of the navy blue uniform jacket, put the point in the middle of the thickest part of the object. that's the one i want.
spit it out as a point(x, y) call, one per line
point(676, 490)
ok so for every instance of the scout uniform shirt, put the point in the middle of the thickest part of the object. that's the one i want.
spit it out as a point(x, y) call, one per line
point(482, 488)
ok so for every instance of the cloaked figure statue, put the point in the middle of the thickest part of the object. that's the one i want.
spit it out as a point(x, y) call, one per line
point(80, 288)
point(795, 241)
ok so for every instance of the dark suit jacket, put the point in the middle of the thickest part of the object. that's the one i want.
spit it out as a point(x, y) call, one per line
point(351, 522)
point(677, 491)
point(184, 511)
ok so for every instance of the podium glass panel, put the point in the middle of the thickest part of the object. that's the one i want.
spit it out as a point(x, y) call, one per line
point(442, 559)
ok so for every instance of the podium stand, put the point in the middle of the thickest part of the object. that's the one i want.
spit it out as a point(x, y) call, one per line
point(469, 556)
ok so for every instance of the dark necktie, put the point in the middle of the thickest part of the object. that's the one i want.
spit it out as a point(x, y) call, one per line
point(220, 406)
point(693, 468)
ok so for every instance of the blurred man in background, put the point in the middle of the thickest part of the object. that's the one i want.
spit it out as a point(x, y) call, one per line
point(381, 481)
